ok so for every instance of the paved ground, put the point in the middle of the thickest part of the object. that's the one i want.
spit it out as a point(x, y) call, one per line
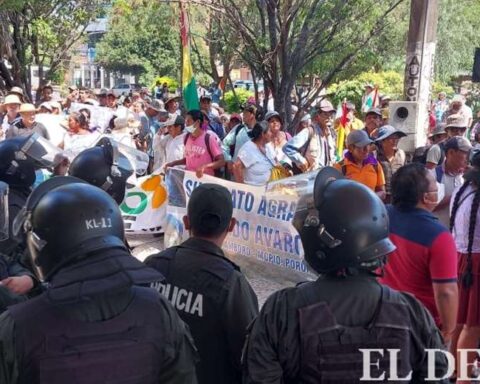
point(265, 279)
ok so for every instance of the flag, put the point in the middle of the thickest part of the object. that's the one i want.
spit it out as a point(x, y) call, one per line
point(189, 87)
point(341, 131)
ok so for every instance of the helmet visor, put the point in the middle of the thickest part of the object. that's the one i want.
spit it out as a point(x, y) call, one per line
point(42, 151)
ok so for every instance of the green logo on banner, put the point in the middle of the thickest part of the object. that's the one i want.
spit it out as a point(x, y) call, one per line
point(137, 209)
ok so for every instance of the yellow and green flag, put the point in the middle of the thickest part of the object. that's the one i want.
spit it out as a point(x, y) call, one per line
point(189, 87)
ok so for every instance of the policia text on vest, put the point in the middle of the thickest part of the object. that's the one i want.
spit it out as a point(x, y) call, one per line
point(182, 299)
point(372, 360)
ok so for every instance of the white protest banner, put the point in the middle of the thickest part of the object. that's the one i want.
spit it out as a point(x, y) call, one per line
point(144, 208)
point(264, 231)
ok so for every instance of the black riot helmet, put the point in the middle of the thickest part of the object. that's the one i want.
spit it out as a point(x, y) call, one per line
point(66, 219)
point(16, 168)
point(345, 227)
point(105, 167)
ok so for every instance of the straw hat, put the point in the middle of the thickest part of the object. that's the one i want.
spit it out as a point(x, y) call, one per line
point(27, 107)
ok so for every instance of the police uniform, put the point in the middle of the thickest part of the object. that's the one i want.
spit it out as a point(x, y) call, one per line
point(93, 324)
point(315, 332)
point(213, 297)
point(312, 333)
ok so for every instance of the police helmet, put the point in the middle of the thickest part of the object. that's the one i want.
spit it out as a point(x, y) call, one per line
point(105, 167)
point(16, 168)
point(66, 219)
point(346, 226)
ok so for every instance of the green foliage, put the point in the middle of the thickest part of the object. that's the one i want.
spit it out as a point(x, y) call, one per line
point(457, 36)
point(232, 103)
point(142, 38)
point(172, 83)
point(438, 87)
point(389, 83)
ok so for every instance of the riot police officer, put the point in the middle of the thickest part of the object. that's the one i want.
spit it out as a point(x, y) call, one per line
point(17, 170)
point(209, 292)
point(105, 167)
point(93, 324)
point(324, 331)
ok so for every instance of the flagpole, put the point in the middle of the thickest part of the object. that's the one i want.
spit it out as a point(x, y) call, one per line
point(181, 54)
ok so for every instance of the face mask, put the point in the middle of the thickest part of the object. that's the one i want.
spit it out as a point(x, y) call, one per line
point(190, 128)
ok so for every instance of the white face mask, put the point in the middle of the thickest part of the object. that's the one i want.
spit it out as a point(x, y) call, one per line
point(190, 128)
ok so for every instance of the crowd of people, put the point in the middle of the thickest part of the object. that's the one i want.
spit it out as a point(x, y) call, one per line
point(388, 219)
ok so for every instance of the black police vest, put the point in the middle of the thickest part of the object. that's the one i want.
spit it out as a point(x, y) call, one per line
point(195, 284)
point(330, 352)
point(57, 349)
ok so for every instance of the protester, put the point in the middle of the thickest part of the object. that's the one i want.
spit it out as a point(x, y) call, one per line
point(368, 98)
point(455, 126)
point(214, 298)
point(46, 95)
point(450, 173)
point(45, 107)
point(78, 136)
point(27, 124)
point(315, 332)
point(94, 304)
point(256, 159)
point(464, 223)
point(202, 150)
point(212, 115)
point(373, 121)
point(353, 123)
point(123, 132)
point(425, 261)
point(10, 108)
point(279, 137)
point(238, 135)
point(171, 105)
point(171, 146)
point(56, 108)
point(441, 105)
point(360, 165)
point(313, 147)
point(17, 91)
point(390, 157)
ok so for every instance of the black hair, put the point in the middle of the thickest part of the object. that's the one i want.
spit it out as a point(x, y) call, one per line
point(472, 178)
point(257, 130)
point(409, 184)
point(196, 115)
point(87, 112)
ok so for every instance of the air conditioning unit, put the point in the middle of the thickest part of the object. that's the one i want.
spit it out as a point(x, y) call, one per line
point(406, 116)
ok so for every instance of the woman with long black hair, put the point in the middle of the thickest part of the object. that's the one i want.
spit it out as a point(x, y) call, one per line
point(465, 226)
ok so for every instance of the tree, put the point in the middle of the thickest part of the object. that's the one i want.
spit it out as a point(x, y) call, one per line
point(140, 40)
point(279, 40)
point(41, 32)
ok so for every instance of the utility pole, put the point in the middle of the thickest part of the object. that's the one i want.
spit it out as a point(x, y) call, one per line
point(419, 64)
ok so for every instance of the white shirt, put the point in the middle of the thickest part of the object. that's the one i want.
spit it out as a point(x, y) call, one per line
point(74, 144)
point(174, 150)
point(462, 221)
point(258, 167)
point(451, 183)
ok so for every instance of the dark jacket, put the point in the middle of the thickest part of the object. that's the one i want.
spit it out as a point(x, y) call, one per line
point(96, 290)
point(213, 297)
point(288, 327)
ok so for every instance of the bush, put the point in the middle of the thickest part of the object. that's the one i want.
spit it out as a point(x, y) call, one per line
point(389, 83)
point(232, 103)
point(171, 83)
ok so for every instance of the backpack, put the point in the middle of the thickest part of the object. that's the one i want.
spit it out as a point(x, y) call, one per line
point(303, 150)
point(237, 131)
point(439, 172)
point(420, 154)
point(344, 167)
point(218, 172)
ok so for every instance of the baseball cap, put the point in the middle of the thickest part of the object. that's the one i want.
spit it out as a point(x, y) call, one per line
point(210, 209)
point(46, 105)
point(174, 120)
point(56, 105)
point(323, 106)
point(272, 114)
point(458, 143)
point(386, 131)
point(305, 118)
point(375, 111)
point(156, 105)
point(103, 92)
point(456, 121)
point(359, 138)
point(206, 97)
